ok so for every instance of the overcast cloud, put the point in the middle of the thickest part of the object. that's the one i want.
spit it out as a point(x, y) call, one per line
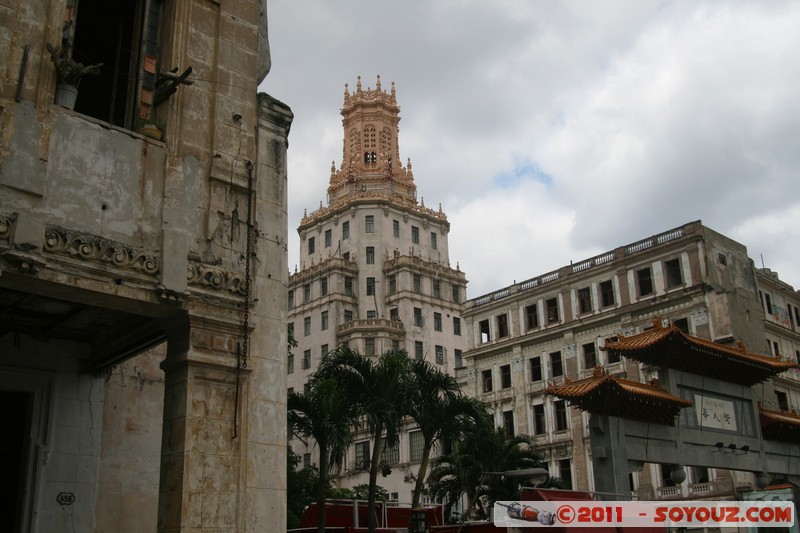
point(551, 132)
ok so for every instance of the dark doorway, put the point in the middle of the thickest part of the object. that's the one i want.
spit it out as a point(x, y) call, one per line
point(13, 456)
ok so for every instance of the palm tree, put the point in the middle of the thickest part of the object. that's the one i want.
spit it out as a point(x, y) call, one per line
point(467, 471)
point(378, 388)
point(325, 415)
point(440, 410)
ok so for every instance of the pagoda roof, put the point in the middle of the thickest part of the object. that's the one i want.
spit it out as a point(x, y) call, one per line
point(780, 425)
point(669, 347)
point(605, 394)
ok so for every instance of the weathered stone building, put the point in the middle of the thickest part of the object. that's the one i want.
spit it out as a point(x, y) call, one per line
point(112, 243)
point(376, 272)
point(553, 327)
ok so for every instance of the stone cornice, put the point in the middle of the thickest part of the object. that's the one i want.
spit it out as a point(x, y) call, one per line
point(97, 249)
point(215, 278)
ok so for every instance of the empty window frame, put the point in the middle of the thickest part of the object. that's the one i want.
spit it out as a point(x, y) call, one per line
point(552, 310)
point(565, 473)
point(483, 328)
point(682, 324)
point(437, 321)
point(536, 368)
point(539, 420)
point(607, 293)
point(556, 366)
point(782, 399)
point(369, 224)
point(644, 278)
point(532, 316)
point(561, 415)
point(589, 355)
point(505, 377)
point(672, 269)
point(508, 424)
point(584, 300)
point(502, 326)
point(486, 380)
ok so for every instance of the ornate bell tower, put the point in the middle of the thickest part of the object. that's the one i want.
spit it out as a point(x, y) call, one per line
point(370, 152)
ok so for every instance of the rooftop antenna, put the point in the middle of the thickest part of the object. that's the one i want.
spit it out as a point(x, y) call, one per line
point(762, 261)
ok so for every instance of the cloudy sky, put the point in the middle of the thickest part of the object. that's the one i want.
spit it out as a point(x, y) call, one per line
point(553, 131)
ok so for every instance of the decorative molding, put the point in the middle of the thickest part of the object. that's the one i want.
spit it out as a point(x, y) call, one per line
point(98, 249)
point(215, 278)
point(7, 226)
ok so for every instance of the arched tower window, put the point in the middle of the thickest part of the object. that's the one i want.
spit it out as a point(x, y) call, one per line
point(355, 142)
point(385, 147)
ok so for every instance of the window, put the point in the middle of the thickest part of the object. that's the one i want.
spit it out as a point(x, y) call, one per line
point(328, 238)
point(362, 455)
point(561, 415)
point(306, 388)
point(565, 473)
point(419, 350)
point(722, 259)
point(589, 355)
point(536, 368)
point(369, 346)
point(345, 230)
point(645, 279)
point(414, 235)
point(370, 255)
point(348, 285)
point(396, 228)
point(486, 379)
point(291, 299)
point(783, 401)
point(508, 423)
point(324, 320)
point(437, 288)
point(418, 317)
point(416, 445)
point(395, 345)
point(311, 245)
point(539, 423)
point(306, 460)
point(552, 310)
point(613, 357)
point(607, 293)
point(532, 316)
point(439, 353)
point(372, 314)
point(369, 224)
point(370, 286)
point(104, 33)
point(323, 350)
point(505, 377)
point(456, 326)
point(682, 324)
point(394, 314)
point(307, 326)
point(348, 316)
point(673, 272)
point(290, 330)
point(433, 240)
point(306, 293)
point(459, 362)
point(323, 286)
point(483, 326)
point(768, 303)
point(290, 364)
point(390, 454)
point(455, 293)
point(392, 284)
point(306, 359)
point(502, 326)
point(555, 364)
point(417, 283)
point(584, 300)
point(437, 321)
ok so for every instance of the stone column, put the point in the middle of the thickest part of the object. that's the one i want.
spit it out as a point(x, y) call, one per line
point(609, 456)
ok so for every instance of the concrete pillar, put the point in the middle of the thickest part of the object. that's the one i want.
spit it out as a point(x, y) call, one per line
point(609, 456)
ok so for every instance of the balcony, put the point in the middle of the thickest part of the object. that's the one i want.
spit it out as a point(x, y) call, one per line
point(390, 327)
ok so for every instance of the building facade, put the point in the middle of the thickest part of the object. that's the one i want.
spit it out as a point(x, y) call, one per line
point(552, 328)
point(113, 243)
point(375, 272)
